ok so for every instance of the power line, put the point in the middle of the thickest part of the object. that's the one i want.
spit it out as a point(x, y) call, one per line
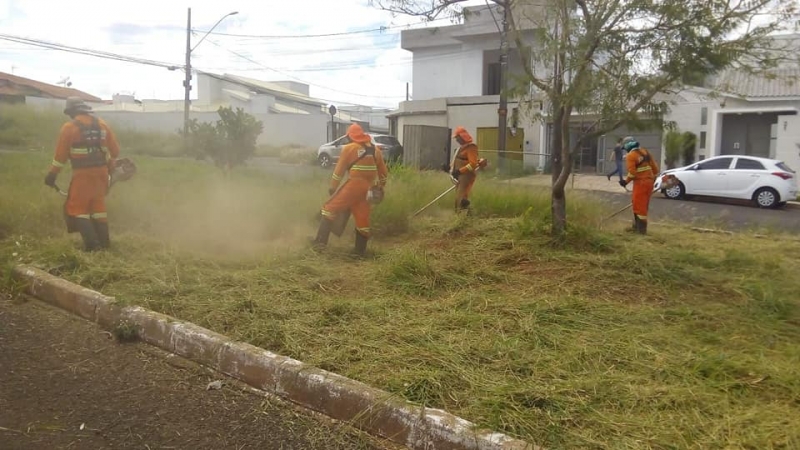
point(45, 45)
point(305, 36)
point(87, 52)
point(298, 79)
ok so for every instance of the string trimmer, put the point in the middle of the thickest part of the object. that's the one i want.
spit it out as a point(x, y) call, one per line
point(455, 185)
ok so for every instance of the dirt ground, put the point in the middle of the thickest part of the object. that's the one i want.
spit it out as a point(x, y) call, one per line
point(66, 384)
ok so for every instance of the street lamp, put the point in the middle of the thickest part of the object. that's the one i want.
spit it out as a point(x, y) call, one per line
point(187, 82)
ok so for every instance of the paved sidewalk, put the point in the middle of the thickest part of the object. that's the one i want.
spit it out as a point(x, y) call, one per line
point(576, 182)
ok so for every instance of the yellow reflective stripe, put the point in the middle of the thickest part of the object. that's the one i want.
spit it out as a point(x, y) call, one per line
point(641, 217)
point(364, 168)
point(469, 167)
point(57, 164)
point(643, 169)
point(326, 213)
point(336, 177)
point(366, 229)
point(99, 215)
point(84, 216)
point(631, 176)
point(79, 151)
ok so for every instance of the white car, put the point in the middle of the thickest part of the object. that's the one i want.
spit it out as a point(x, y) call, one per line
point(768, 183)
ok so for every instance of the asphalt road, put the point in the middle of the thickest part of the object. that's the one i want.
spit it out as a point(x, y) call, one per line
point(711, 213)
point(66, 384)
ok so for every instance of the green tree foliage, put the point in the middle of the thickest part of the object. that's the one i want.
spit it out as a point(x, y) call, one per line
point(673, 147)
point(230, 141)
point(689, 145)
point(617, 61)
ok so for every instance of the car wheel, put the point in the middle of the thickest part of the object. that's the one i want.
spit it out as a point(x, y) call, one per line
point(766, 198)
point(325, 160)
point(675, 192)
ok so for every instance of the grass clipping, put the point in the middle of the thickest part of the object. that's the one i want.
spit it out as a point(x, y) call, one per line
point(605, 340)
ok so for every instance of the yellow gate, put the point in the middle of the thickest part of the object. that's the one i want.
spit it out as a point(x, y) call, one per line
point(487, 148)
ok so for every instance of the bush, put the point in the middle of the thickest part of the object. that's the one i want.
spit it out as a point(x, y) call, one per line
point(673, 147)
point(689, 145)
point(231, 141)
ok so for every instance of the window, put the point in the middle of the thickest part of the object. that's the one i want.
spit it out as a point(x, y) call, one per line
point(748, 164)
point(344, 140)
point(784, 167)
point(715, 164)
point(493, 79)
point(702, 143)
point(703, 115)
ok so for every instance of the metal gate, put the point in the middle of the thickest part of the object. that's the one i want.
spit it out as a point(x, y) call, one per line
point(425, 147)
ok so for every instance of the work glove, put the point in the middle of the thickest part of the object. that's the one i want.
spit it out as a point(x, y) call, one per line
point(455, 173)
point(623, 183)
point(331, 191)
point(50, 179)
point(483, 163)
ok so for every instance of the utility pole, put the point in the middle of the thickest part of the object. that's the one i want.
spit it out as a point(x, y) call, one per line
point(406, 91)
point(502, 110)
point(187, 82)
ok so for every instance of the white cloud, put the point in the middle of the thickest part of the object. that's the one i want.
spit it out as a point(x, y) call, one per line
point(364, 68)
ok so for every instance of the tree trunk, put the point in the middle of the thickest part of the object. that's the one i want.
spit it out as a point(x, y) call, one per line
point(558, 203)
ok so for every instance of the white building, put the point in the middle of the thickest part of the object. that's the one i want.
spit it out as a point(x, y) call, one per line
point(289, 115)
point(455, 79)
point(746, 115)
point(456, 82)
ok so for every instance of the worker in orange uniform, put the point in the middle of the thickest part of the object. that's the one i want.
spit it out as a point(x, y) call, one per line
point(465, 163)
point(642, 170)
point(367, 177)
point(89, 145)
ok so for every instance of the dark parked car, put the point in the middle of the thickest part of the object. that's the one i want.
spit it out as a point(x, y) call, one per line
point(390, 147)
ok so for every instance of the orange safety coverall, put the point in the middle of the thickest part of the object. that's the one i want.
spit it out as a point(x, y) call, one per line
point(92, 151)
point(363, 174)
point(466, 161)
point(642, 169)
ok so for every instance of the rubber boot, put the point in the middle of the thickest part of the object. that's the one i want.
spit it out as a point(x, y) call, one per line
point(642, 229)
point(464, 206)
point(323, 233)
point(101, 228)
point(85, 227)
point(361, 244)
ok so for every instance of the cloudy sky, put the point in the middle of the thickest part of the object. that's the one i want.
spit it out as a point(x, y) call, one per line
point(268, 40)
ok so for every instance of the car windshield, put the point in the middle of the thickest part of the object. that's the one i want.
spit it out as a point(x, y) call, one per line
point(782, 165)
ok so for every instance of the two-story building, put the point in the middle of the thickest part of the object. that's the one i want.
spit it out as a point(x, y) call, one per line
point(456, 82)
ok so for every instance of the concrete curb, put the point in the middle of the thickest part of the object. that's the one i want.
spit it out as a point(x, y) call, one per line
point(373, 410)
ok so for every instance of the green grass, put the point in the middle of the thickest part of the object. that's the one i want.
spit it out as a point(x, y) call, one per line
point(605, 340)
point(27, 128)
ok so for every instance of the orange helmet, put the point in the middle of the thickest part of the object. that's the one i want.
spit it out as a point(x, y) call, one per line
point(463, 134)
point(356, 134)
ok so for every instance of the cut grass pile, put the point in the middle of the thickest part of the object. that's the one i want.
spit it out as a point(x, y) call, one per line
point(676, 340)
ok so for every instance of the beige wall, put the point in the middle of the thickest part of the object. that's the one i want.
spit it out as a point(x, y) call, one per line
point(787, 148)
